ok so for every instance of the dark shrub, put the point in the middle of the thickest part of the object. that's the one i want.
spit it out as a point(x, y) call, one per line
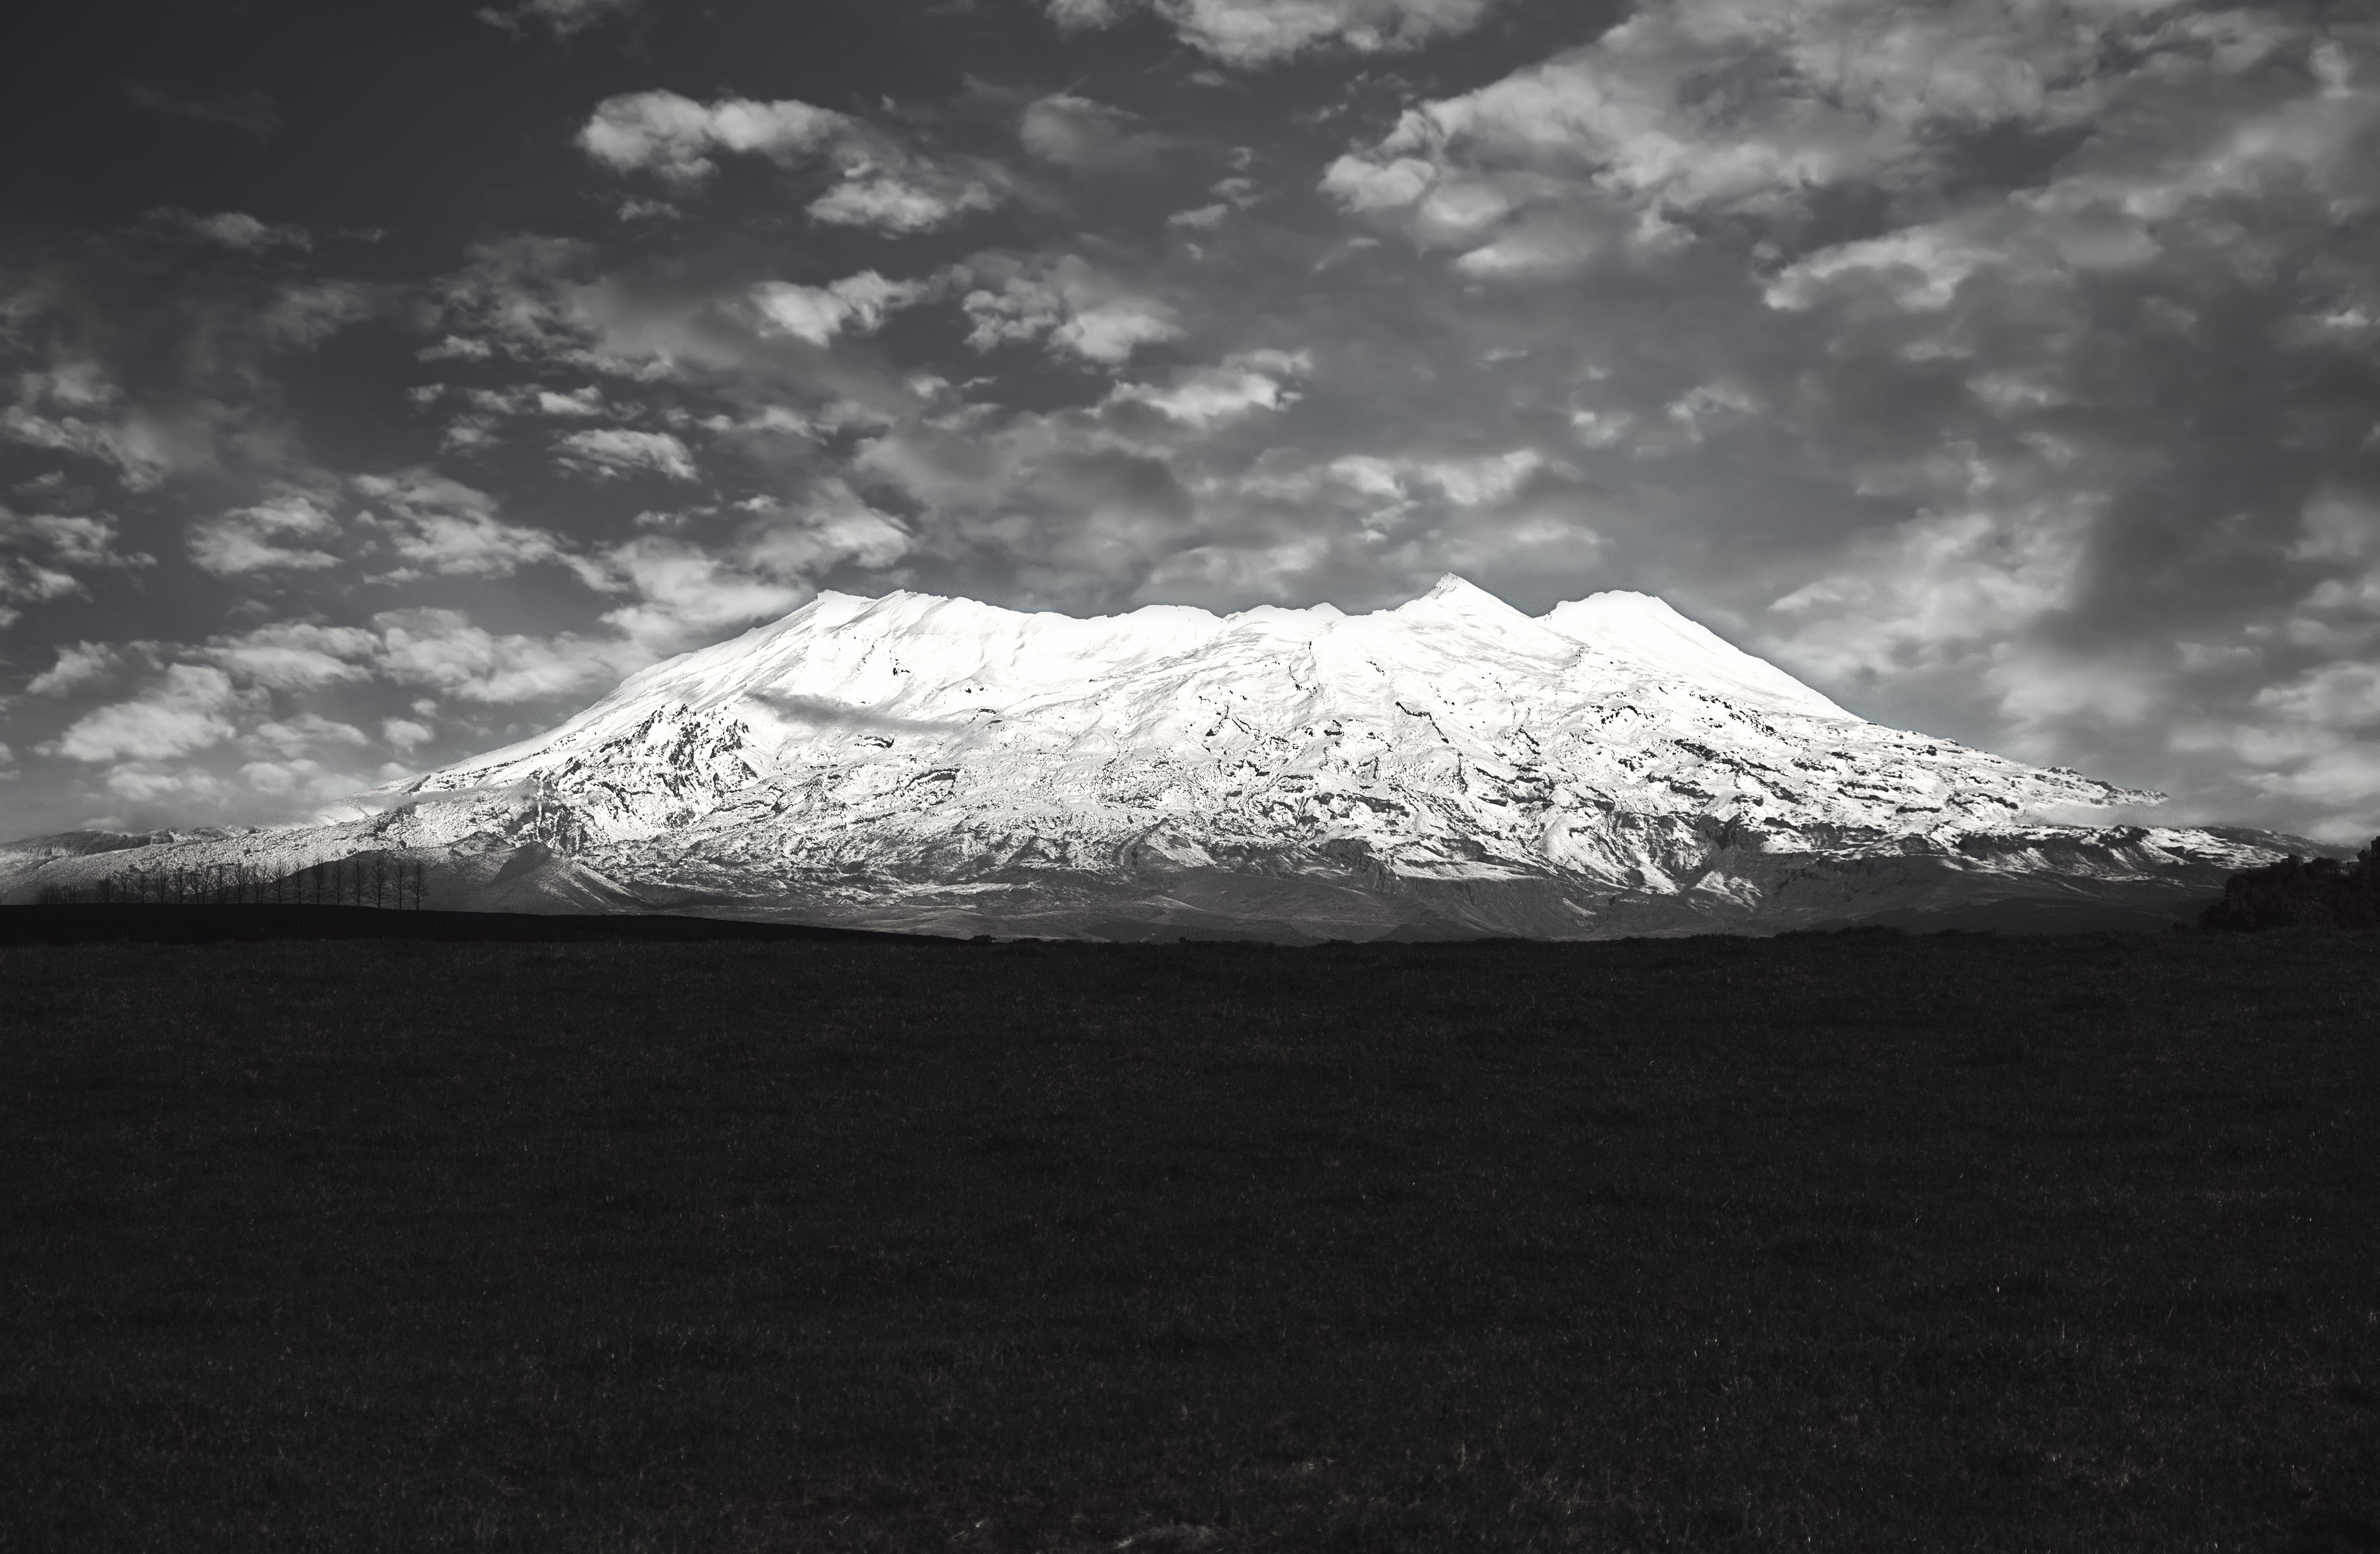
point(2320, 893)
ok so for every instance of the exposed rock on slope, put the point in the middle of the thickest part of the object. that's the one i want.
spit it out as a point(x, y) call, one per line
point(1448, 767)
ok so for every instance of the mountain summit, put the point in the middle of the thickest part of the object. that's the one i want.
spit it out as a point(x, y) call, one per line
point(1448, 767)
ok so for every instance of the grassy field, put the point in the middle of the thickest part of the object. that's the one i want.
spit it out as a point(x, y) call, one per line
point(1834, 1242)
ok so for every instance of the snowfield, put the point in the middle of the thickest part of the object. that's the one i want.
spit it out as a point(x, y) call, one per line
point(1449, 767)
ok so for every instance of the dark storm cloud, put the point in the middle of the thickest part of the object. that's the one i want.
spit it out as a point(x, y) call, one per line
point(2006, 367)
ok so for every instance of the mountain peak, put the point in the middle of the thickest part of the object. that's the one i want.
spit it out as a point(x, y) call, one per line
point(1455, 599)
point(1449, 765)
point(1453, 589)
point(1644, 630)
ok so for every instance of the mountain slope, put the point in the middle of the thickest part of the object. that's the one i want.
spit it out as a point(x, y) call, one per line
point(1450, 766)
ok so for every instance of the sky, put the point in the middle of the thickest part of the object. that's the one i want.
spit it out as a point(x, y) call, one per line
point(379, 384)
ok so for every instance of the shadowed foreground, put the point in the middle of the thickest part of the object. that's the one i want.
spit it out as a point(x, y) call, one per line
point(1846, 1242)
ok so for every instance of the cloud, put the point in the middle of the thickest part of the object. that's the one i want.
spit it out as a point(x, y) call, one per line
point(1710, 106)
point(250, 111)
point(404, 734)
point(291, 738)
point(290, 780)
point(1077, 132)
point(74, 406)
point(1063, 303)
point(81, 666)
point(561, 17)
point(1079, 515)
point(296, 655)
point(855, 304)
point(831, 527)
point(586, 401)
point(878, 183)
point(1205, 397)
point(553, 301)
point(248, 539)
point(688, 592)
point(610, 453)
point(456, 349)
point(44, 556)
point(443, 649)
point(489, 408)
point(662, 132)
point(187, 709)
point(443, 527)
point(154, 361)
point(302, 316)
point(234, 229)
point(1260, 32)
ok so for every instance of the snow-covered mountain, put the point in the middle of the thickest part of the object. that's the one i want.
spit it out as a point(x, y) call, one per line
point(1449, 767)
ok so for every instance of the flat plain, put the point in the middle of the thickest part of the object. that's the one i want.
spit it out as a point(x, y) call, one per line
point(1858, 1241)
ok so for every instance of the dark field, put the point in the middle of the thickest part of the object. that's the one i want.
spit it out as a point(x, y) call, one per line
point(1838, 1242)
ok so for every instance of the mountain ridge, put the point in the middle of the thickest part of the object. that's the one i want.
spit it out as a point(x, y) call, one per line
point(1449, 765)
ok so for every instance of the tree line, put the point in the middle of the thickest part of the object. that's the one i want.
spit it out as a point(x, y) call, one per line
point(358, 880)
point(2303, 893)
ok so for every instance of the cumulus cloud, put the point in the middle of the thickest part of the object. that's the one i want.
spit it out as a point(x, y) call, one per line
point(73, 406)
point(541, 299)
point(564, 303)
point(1711, 107)
point(404, 734)
point(441, 525)
point(44, 556)
point(253, 539)
point(674, 135)
point(1260, 32)
point(831, 527)
point(189, 708)
point(445, 650)
point(877, 182)
point(81, 666)
point(855, 304)
point(457, 348)
point(1064, 304)
point(1240, 385)
point(610, 452)
point(688, 592)
point(295, 655)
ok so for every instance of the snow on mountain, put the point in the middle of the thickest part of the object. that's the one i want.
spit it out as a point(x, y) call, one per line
point(1449, 766)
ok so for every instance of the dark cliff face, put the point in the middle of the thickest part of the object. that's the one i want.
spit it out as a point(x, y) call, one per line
point(2300, 892)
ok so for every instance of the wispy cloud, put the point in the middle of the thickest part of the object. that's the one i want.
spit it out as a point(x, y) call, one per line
point(252, 112)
